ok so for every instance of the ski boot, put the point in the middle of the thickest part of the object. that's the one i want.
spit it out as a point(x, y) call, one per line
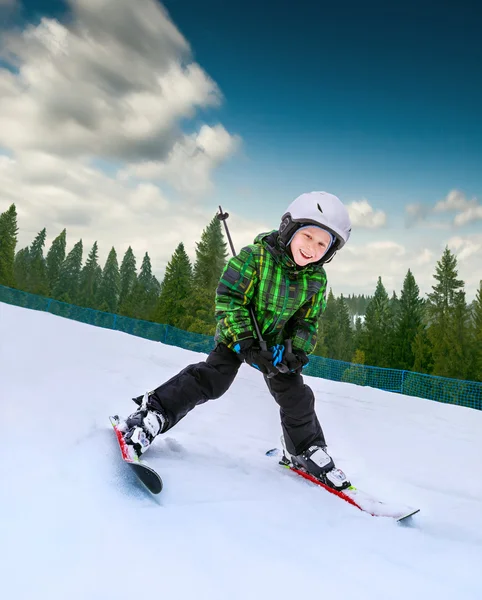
point(317, 462)
point(141, 427)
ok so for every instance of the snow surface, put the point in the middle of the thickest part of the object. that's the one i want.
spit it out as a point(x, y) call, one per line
point(230, 523)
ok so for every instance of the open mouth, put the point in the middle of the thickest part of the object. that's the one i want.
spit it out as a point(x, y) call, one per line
point(305, 256)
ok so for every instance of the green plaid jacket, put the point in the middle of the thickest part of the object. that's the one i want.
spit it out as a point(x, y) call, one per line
point(287, 299)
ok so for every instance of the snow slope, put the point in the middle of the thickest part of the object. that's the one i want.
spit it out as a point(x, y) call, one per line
point(230, 523)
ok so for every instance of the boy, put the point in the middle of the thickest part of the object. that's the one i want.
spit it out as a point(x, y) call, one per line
point(281, 276)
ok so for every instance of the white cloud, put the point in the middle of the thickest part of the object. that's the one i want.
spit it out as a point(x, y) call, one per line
point(192, 159)
point(425, 257)
point(115, 82)
point(362, 214)
point(466, 211)
point(455, 201)
point(466, 247)
point(473, 213)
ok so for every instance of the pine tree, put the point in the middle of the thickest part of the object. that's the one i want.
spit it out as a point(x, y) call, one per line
point(344, 342)
point(210, 256)
point(358, 335)
point(395, 306)
point(90, 278)
point(460, 332)
point(109, 287)
point(55, 258)
point(175, 290)
point(37, 273)
point(146, 291)
point(128, 277)
point(328, 328)
point(67, 286)
point(447, 317)
point(477, 335)
point(422, 352)
point(21, 268)
point(210, 261)
point(8, 242)
point(408, 323)
point(378, 337)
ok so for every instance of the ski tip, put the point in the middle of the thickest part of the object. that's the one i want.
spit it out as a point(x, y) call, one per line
point(408, 517)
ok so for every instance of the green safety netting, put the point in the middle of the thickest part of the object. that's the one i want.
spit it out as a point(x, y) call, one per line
point(441, 389)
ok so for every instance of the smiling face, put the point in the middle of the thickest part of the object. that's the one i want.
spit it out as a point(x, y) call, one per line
point(309, 245)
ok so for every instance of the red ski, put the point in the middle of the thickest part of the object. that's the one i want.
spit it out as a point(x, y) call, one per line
point(354, 496)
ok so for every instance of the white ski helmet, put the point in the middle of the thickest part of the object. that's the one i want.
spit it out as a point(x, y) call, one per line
point(320, 209)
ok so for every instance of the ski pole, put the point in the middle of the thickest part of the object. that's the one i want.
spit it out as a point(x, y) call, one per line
point(222, 216)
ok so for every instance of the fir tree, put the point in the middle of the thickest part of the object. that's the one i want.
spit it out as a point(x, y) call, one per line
point(395, 306)
point(8, 242)
point(37, 273)
point(408, 323)
point(145, 293)
point(461, 334)
point(128, 277)
point(344, 342)
point(210, 261)
point(377, 340)
point(447, 315)
point(55, 258)
point(327, 328)
point(175, 290)
point(210, 257)
point(21, 268)
point(90, 278)
point(422, 351)
point(358, 335)
point(67, 286)
point(109, 287)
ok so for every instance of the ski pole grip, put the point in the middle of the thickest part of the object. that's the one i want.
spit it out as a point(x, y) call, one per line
point(282, 368)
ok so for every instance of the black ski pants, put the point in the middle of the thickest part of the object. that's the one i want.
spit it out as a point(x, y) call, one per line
point(210, 379)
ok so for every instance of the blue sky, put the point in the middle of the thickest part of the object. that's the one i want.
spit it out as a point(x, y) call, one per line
point(380, 102)
point(377, 104)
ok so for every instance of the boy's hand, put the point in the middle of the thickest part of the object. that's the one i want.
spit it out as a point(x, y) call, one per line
point(252, 354)
point(295, 360)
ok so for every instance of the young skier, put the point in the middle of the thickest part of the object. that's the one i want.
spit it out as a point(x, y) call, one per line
point(281, 276)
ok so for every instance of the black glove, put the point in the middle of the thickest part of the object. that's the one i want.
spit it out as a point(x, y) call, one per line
point(252, 354)
point(295, 360)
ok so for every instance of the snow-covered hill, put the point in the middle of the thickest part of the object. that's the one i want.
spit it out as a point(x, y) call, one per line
point(230, 524)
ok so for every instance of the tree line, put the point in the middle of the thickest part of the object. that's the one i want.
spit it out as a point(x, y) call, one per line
point(184, 298)
point(440, 334)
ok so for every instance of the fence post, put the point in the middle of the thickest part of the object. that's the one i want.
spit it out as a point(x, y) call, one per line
point(403, 381)
point(115, 321)
point(48, 305)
